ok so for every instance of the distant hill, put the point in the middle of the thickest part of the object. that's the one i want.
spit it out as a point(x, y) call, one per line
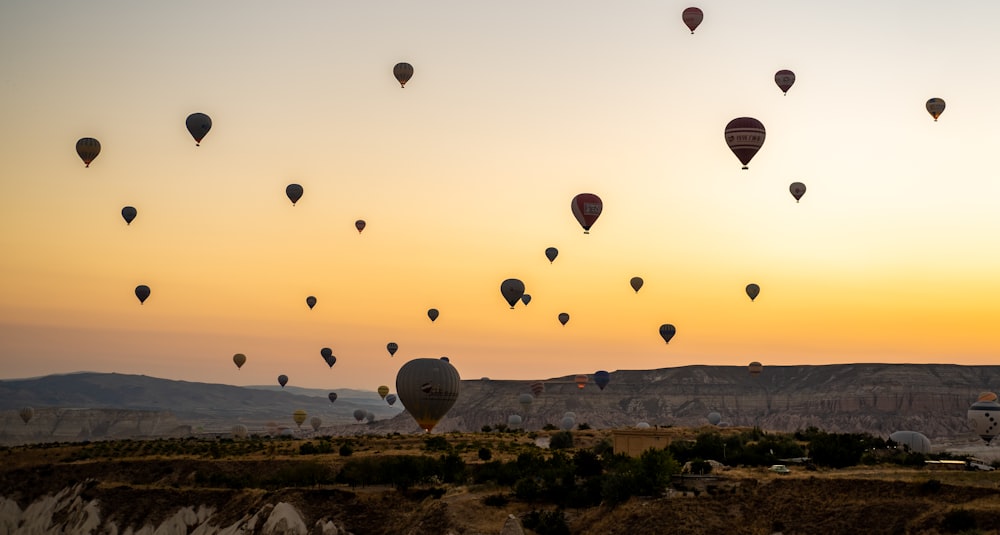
point(871, 398)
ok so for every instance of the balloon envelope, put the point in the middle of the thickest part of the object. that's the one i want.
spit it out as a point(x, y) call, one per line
point(512, 290)
point(692, 17)
point(383, 391)
point(327, 355)
point(797, 189)
point(526, 298)
point(567, 423)
point(984, 418)
point(433, 314)
point(587, 207)
point(525, 400)
point(784, 78)
point(142, 292)
point(315, 422)
point(26, 414)
point(240, 431)
point(294, 192)
point(311, 301)
point(551, 253)
point(392, 347)
point(601, 379)
point(563, 318)
point(403, 72)
point(714, 418)
point(745, 136)
point(87, 149)
point(537, 388)
point(360, 225)
point(581, 381)
point(667, 331)
point(128, 214)
point(916, 442)
point(298, 417)
point(282, 380)
point(755, 368)
point(514, 420)
point(332, 396)
point(390, 399)
point(427, 388)
point(935, 107)
point(753, 291)
point(239, 359)
point(359, 414)
point(198, 124)
point(635, 283)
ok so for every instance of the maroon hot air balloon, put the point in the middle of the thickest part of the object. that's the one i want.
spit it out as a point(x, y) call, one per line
point(745, 136)
point(797, 189)
point(692, 17)
point(784, 78)
point(360, 225)
point(587, 207)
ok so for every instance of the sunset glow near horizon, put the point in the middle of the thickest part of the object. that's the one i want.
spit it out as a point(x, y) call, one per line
point(465, 176)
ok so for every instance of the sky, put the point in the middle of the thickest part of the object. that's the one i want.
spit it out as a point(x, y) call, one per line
point(465, 176)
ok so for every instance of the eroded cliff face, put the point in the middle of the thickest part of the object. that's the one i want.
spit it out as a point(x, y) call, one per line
point(81, 510)
point(69, 425)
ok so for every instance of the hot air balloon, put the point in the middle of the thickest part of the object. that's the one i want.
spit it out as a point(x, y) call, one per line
point(198, 124)
point(753, 291)
point(392, 347)
point(692, 17)
point(427, 388)
point(581, 381)
point(294, 192)
point(914, 441)
point(635, 283)
point(587, 207)
point(390, 399)
point(239, 359)
point(525, 401)
point(784, 78)
point(512, 290)
point(446, 359)
point(798, 189)
point(360, 225)
point(298, 417)
point(714, 418)
point(332, 396)
point(755, 368)
point(537, 388)
point(282, 380)
point(514, 420)
point(563, 318)
point(88, 148)
point(642, 425)
point(935, 107)
point(745, 136)
point(432, 314)
point(569, 414)
point(987, 396)
point(567, 423)
point(311, 301)
point(26, 414)
point(142, 292)
point(526, 298)
point(667, 331)
point(370, 416)
point(359, 414)
point(383, 391)
point(315, 422)
point(128, 214)
point(327, 355)
point(601, 379)
point(240, 431)
point(403, 72)
point(984, 418)
point(551, 253)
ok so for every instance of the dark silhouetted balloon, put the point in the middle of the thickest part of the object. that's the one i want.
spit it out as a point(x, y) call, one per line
point(392, 347)
point(753, 291)
point(88, 148)
point(587, 207)
point(446, 359)
point(935, 107)
point(797, 189)
point(745, 136)
point(601, 379)
point(142, 292)
point(128, 214)
point(26, 414)
point(198, 124)
point(359, 414)
point(581, 381)
point(428, 388)
point(391, 399)
point(360, 225)
point(311, 301)
point(239, 359)
point(755, 368)
point(526, 298)
point(551, 253)
point(383, 391)
point(433, 314)
point(512, 290)
point(403, 72)
point(563, 318)
point(327, 355)
point(667, 331)
point(784, 78)
point(692, 17)
point(294, 193)
point(635, 283)
point(282, 380)
point(332, 396)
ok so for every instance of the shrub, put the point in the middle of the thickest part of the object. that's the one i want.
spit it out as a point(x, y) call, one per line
point(346, 450)
point(561, 440)
point(495, 500)
point(958, 520)
point(436, 443)
point(526, 489)
point(547, 522)
point(485, 454)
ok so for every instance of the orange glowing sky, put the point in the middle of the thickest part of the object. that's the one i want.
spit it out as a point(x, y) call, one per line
point(465, 177)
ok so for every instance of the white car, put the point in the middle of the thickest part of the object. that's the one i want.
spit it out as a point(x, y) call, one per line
point(780, 468)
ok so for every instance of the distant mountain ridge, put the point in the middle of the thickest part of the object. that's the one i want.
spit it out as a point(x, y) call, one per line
point(873, 398)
